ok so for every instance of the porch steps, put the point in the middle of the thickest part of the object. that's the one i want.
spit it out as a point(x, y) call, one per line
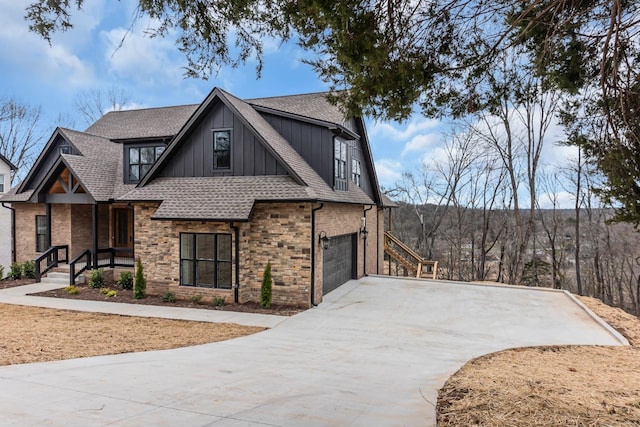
point(55, 277)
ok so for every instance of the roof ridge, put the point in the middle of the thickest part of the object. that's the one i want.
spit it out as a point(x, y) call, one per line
point(150, 108)
point(290, 95)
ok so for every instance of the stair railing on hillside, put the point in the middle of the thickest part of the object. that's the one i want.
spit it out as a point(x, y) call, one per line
point(407, 257)
point(52, 258)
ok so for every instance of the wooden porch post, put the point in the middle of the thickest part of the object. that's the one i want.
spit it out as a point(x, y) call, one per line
point(95, 234)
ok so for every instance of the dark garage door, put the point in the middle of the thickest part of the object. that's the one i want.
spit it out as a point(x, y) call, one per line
point(338, 263)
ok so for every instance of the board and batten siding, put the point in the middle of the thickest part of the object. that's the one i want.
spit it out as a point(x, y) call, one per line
point(51, 157)
point(316, 146)
point(249, 157)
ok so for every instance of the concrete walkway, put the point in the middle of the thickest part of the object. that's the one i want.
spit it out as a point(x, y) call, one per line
point(374, 353)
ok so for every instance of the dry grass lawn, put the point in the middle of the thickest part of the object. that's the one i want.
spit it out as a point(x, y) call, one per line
point(550, 386)
point(32, 334)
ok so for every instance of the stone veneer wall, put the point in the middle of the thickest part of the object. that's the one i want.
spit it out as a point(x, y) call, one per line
point(339, 219)
point(279, 233)
point(157, 244)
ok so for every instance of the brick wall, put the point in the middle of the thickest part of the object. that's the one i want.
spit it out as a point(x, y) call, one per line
point(279, 233)
point(26, 229)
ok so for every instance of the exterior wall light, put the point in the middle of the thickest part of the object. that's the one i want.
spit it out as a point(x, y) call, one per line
point(324, 240)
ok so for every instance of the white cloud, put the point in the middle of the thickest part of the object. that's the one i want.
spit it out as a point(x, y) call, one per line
point(388, 171)
point(420, 143)
point(563, 200)
point(396, 132)
point(149, 61)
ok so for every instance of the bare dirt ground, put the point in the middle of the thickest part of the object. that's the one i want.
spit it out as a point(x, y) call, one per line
point(550, 386)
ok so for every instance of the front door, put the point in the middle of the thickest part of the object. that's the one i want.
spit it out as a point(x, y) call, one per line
point(123, 230)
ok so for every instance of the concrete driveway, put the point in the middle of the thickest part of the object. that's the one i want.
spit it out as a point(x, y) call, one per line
point(374, 353)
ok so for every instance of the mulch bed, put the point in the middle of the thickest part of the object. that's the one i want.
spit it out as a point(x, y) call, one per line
point(126, 296)
point(11, 283)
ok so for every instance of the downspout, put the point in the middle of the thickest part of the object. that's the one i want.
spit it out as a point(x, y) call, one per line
point(313, 254)
point(365, 239)
point(236, 287)
point(13, 231)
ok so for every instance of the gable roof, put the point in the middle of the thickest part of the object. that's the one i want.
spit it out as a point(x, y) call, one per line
point(99, 167)
point(142, 124)
point(310, 105)
point(8, 162)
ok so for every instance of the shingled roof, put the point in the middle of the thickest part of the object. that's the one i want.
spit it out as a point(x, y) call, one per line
point(310, 105)
point(99, 168)
point(140, 124)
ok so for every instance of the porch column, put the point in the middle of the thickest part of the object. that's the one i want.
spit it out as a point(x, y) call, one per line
point(94, 223)
point(48, 215)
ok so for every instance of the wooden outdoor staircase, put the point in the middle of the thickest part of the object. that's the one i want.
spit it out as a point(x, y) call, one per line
point(408, 258)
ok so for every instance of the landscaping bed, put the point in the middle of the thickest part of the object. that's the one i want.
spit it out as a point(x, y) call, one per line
point(126, 296)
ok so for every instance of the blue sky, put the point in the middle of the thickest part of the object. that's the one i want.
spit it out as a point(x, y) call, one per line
point(150, 70)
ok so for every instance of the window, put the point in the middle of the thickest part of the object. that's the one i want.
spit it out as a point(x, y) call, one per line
point(1, 183)
point(221, 149)
point(355, 171)
point(65, 149)
point(340, 156)
point(141, 159)
point(205, 260)
point(42, 236)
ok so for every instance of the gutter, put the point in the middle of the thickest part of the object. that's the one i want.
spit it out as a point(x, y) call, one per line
point(313, 254)
point(13, 231)
point(365, 240)
point(236, 287)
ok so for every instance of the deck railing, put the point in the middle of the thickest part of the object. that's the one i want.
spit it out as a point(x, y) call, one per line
point(407, 257)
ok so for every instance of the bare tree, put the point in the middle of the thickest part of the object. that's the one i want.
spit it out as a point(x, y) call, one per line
point(94, 103)
point(20, 134)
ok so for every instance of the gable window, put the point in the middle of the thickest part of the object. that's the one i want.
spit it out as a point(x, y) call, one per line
point(221, 149)
point(205, 260)
point(65, 149)
point(42, 243)
point(141, 159)
point(340, 165)
point(355, 171)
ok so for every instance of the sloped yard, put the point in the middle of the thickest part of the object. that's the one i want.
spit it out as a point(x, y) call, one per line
point(559, 385)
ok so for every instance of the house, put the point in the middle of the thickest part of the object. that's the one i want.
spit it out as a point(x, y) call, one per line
point(206, 195)
point(6, 232)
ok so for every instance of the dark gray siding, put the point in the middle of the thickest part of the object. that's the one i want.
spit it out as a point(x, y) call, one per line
point(314, 143)
point(248, 156)
point(50, 158)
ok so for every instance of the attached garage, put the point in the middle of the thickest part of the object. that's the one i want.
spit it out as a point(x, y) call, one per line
point(339, 262)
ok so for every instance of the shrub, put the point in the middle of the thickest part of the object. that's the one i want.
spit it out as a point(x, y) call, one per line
point(96, 278)
point(265, 289)
point(140, 283)
point(126, 280)
point(218, 302)
point(111, 294)
point(15, 272)
point(104, 291)
point(196, 299)
point(169, 297)
point(29, 269)
point(72, 290)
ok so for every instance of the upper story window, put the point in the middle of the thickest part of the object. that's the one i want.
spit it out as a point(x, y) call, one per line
point(141, 159)
point(221, 149)
point(356, 173)
point(1, 183)
point(65, 149)
point(340, 165)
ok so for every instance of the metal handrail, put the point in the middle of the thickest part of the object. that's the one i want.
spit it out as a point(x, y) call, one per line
point(53, 258)
point(72, 265)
